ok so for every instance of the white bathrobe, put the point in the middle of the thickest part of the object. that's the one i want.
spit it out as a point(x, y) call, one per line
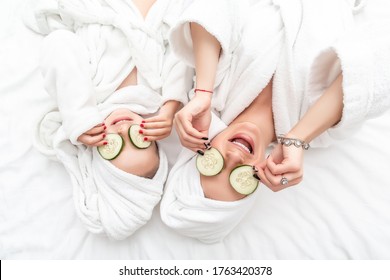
point(91, 46)
point(309, 28)
point(302, 44)
point(118, 39)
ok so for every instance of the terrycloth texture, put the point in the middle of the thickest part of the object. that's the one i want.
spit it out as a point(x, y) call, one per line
point(250, 34)
point(118, 39)
point(108, 200)
point(309, 27)
point(366, 80)
point(185, 209)
point(326, 28)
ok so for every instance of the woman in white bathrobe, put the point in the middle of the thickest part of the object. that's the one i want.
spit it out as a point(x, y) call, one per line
point(106, 68)
point(345, 57)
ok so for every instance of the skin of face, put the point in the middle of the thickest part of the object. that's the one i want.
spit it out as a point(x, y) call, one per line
point(140, 162)
point(230, 143)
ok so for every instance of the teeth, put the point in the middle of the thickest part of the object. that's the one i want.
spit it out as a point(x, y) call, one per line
point(121, 121)
point(242, 145)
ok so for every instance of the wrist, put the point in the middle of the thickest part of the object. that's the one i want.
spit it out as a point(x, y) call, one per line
point(292, 140)
point(201, 95)
point(170, 107)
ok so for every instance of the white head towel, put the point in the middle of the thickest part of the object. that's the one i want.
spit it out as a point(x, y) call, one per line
point(107, 200)
point(185, 209)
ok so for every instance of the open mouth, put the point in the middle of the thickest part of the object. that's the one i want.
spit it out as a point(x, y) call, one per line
point(244, 142)
point(120, 120)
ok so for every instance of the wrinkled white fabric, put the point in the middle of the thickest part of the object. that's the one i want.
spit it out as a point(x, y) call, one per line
point(118, 39)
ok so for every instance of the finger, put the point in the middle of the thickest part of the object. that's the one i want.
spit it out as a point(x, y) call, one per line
point(96, 130)
point(92, 140)
point(282, 187)
point(276, 180)
point(156, 138)
point(100, 143)
point(188, 129)
point(155, 132)
point(155, 125)
point(193, 147)
point(187, 138)
point(154, 119)
point(287, 166)
point(263, 178)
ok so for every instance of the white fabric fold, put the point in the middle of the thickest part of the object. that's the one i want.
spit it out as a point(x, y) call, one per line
point(185, 209)
point(118, 39)
point(366, 80)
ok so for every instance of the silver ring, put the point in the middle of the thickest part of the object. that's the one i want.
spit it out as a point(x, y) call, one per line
point(283, 181)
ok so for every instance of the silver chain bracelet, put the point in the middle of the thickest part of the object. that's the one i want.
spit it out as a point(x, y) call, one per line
point(292, 141)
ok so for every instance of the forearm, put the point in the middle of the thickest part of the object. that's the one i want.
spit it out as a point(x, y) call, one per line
point(171, 107)
point(325, 113)
point(206, 52)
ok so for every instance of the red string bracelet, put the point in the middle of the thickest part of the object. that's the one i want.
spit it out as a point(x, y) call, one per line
point(203, 90)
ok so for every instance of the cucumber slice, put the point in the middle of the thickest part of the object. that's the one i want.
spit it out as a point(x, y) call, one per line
point(136, 138)
point(242, 180)
point(113, 148)
point(211, 163)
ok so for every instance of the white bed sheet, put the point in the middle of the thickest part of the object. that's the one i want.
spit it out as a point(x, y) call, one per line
point(340, 211)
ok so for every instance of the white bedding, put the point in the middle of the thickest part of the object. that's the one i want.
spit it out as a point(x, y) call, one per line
point(340, 211)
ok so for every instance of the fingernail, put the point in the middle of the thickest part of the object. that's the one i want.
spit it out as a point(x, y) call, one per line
point(103, 124)
point(104, 136)
point(142, 125)
point(256, 177)
point(205, 138)
point(200, 152)
point(105, 143)
point(104, 127)
point(145, 138)
point(141, 131)
point(143, 121)
point(207, 145)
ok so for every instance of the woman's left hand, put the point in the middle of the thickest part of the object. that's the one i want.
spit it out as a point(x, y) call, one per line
point(283, 168)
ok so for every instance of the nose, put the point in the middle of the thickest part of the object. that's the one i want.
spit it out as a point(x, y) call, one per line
point(122, 129)
point(234, 158)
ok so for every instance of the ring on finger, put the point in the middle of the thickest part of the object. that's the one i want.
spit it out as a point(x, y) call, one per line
point(283, 181)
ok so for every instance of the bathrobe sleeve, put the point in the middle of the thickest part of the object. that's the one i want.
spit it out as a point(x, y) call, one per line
point(177, 76)
point(363, 56)
point(221, 18)
point(63, 53)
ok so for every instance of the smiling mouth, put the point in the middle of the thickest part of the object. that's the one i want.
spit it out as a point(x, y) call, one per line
point(243, 144)
point(120, 120)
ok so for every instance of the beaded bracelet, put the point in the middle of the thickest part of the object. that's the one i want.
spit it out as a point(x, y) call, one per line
point(203, 90)
point(293, 141)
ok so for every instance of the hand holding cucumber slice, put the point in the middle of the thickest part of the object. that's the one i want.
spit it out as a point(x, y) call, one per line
point(211, 163)
point(242, 180)
point(113, 148)
point(136, 138)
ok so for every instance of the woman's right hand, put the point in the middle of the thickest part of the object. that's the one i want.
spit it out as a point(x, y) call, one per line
point(192, 122)
point(94, 137)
